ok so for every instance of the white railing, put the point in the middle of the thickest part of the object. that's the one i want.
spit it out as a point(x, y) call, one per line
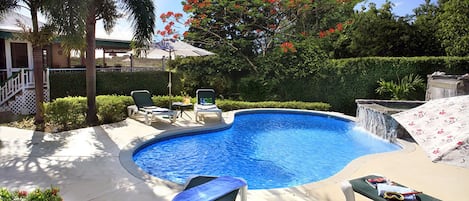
point(18, 82)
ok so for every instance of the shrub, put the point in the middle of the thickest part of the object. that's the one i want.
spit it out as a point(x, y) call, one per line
point(227, 105)
point(70, 112)
point(49, 194)
point(112, 108)
point(66, 113)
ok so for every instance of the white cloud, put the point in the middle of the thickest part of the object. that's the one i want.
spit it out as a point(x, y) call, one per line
point(121, 31)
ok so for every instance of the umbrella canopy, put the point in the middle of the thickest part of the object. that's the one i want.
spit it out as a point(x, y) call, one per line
point(441, 128)
point(172, 47)
point(176, 48)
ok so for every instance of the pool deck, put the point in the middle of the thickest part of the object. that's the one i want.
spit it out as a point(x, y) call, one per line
point(85, 165)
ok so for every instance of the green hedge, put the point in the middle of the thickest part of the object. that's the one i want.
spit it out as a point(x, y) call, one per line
point(337, 82)
point(227, 105)
point(349, 79)
point(65, 84)
point(70, 112)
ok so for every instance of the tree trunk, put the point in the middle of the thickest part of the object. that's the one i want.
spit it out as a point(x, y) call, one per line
point(38, 86)
point(91, 114)
point(38, 70)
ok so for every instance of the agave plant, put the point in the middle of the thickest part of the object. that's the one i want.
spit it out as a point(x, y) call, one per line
point(402, 89)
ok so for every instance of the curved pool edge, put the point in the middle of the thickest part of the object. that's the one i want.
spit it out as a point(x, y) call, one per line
point(126, 153)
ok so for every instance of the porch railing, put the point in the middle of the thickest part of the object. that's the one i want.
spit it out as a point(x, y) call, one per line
point(19, 82)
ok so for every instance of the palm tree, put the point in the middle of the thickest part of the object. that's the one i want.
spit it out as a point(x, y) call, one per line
point(38, 38)
point(76, 21)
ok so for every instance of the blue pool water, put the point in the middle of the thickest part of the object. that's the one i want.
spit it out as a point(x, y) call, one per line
point(267, 149)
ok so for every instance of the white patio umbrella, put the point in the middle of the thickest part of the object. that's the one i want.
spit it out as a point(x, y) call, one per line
point(441, 128)
point(175, 48)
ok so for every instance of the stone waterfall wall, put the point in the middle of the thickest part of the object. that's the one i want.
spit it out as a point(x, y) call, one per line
point(375, 117)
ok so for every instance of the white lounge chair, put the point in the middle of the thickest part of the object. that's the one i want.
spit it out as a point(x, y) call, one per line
point(145, 106)
point(206, 103)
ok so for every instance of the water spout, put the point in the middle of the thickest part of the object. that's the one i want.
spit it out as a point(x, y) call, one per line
point(375, 116)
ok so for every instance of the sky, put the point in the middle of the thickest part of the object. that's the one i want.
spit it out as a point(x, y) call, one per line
point(123, 29)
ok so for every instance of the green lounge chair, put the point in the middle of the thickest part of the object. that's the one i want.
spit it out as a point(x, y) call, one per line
point(206, 103)
point(145, 106)
point(360, 185)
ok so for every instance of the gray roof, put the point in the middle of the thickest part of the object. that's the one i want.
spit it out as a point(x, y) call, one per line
point(9, 22)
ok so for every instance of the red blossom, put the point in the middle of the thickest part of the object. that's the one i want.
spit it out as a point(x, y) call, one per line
point(185, 33)
point(288, 46)
point(331, 30)
point(187, 7)
point(204, 4)
point(460, 143)
point(322, 34)
point(340, 27)
point(22, 194)
point(178, 15)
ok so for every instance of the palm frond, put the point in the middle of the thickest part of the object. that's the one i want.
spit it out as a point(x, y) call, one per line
point(7, 5)
point(142, 14)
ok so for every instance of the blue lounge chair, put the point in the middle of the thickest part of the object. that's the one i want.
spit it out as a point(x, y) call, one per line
point(206, 103)
point(145, 106)
point(207, 188)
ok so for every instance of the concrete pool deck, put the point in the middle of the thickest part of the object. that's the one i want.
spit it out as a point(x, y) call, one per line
point(85, 165)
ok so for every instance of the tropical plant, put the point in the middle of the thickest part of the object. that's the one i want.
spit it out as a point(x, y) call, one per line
point(76, 21)
point(250, 29)
point(402, 89)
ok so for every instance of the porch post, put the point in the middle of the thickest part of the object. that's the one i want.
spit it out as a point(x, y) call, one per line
point(24, 108)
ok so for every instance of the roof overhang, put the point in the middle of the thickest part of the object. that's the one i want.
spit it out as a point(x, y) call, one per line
point(112, 45)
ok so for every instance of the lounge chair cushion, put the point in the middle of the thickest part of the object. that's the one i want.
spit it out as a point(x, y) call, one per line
point(361, 186)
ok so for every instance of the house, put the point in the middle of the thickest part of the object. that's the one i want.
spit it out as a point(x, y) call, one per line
point(16, 64)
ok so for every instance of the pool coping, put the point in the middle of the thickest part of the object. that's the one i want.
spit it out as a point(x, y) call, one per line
point(126, 153)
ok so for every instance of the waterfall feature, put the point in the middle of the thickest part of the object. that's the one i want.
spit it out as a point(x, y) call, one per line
point(377, 122)
point(375, 116)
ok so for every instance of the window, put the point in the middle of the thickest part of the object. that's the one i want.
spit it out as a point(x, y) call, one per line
point(19, 55)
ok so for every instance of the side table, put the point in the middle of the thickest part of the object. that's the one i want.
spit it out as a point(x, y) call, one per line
point(182, 108)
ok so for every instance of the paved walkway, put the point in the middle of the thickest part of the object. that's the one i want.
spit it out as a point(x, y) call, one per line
point(85, 165)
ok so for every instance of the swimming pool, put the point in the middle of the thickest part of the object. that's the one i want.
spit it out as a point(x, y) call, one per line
point(268, 148)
